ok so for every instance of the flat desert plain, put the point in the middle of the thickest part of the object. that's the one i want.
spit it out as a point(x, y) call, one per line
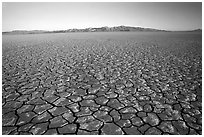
point(109, 83)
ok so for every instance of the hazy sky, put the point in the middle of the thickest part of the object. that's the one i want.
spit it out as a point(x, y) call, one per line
point(56, 16)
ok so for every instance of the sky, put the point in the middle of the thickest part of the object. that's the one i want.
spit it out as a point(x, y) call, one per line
point(67, 15)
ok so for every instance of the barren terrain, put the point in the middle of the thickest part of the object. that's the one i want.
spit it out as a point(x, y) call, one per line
point(102, 83)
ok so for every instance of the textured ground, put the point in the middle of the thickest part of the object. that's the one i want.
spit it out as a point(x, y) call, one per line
point(102, 83)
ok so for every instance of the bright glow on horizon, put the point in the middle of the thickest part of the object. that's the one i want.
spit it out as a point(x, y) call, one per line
point(62, 16)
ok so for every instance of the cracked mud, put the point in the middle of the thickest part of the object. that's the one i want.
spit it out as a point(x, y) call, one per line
point(102, 83)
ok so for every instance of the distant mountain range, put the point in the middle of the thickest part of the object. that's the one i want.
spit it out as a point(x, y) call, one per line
point(100, 29)
point(196, 30)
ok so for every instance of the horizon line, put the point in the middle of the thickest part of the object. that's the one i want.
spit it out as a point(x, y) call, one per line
point(99, 27)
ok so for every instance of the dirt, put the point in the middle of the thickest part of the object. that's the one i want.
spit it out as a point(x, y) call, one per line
point(102, 83)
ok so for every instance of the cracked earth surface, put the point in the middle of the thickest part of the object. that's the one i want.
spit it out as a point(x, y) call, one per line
point(111, 83)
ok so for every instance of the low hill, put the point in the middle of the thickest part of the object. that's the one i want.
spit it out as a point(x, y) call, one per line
point(100, 29)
